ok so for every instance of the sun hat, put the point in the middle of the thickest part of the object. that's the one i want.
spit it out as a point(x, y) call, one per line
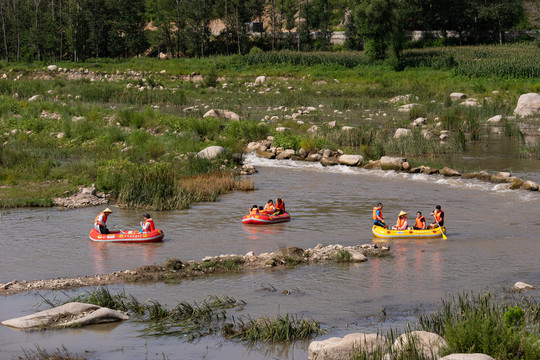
point(107, 210)
point(402, 213)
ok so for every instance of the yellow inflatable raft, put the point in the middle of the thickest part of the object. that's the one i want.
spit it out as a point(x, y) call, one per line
point(381, 232)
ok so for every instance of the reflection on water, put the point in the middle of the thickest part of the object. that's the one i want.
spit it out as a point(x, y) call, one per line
point(492, 242)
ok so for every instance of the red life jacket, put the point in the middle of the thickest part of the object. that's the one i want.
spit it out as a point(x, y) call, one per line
point(280, 205)
point(269, 208)
point(420, 222)
point(253, 211)
point(150, 222)
point(375, 218)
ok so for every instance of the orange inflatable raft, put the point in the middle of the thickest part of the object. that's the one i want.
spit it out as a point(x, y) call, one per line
point(266, 219)
point(131, 236)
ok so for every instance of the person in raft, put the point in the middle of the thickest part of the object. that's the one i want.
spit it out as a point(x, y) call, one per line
point(254, 210)
point(148, 224)
point(263, 211)
point(438, 214)
point(100, 224)
point(420, 223)
point(270, 207)
point(378, 216)
point(279, 205)
point(402, 223)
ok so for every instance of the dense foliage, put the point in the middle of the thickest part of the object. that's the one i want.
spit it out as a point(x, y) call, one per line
point(81, 29)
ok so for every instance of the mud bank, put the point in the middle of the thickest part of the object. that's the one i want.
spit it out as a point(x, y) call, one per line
point(175, 270)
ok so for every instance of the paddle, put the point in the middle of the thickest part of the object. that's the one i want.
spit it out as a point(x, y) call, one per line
point(442, 232)
point(117, 228)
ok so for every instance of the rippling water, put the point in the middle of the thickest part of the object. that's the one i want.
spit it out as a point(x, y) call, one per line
point(492, 243)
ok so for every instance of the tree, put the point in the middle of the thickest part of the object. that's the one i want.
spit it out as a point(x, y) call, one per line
point(500, 15)
point(376, 23)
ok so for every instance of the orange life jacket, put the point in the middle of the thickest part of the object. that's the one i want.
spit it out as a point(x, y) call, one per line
point(253, 211)
point(280, 205)
point(375, 218)
point(150, 222)
point(263, 212)
point(269, 208)
point(420, 222)
point(439, 216)
point(401, 223)
point(104, 218)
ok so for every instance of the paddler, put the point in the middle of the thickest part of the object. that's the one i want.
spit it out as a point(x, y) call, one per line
point(270, 207)
point(402, 223)
point(438, 214)
point(378, 216)
point(148, 224)
point(100, 223)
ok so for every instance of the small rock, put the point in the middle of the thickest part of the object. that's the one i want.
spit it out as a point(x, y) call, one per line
point(457, 96)
point(402, 132)
point(522, 286)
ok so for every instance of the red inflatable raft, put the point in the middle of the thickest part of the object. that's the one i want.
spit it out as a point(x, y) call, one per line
point(266, 219)
point(131, 236)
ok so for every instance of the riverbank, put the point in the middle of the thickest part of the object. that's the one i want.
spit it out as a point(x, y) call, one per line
point(174, 270)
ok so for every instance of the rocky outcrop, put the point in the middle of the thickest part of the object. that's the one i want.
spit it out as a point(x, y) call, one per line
point(87, 196)
point(530, 185)
point(72, 314)
point(500, 177)
point(391, 162)
point(528, 104)
point(329, 161)
point(223, 114)
point(426, 343)
point(211, 152)
point(337, 348)
point(285, 154)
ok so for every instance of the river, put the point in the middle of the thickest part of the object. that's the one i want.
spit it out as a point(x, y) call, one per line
point(492, 243)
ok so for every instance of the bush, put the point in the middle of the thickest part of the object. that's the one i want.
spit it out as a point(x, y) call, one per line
point(286, 140)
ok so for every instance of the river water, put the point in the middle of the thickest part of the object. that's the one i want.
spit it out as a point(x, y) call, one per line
point(492, 242)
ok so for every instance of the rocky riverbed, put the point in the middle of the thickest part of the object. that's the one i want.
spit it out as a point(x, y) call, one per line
point(175, 269)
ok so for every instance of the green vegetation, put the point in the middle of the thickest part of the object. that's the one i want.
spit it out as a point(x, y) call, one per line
point(343, 256)
point(42, 354)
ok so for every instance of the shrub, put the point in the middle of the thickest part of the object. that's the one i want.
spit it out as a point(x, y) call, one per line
point(286, 140)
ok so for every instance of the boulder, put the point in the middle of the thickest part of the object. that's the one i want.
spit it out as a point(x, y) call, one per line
point(427, 134)
point(265, 154)
point(329, 161)
point(340, 348)
point(285, 154)
point(35, 98)
point(314, 157)
point(52, 67)
point(302, 152)
point(347, 128)
point(428, 344)
point(475, 356)
point(457, 96)
point(484, 176)
point(446, 171)
point(443, 137)
point(373, 165)
point(516, 183)
point(254, 146)
point(416, 170)
point(222, 114)
point(528, 104)
point(495, 119)
point(351, 160)
point(407, 107)
point(332, 124)
point(500, 177)
point(406, 166)
point(522, 286)
point(472, 175)
point(357, 256)
point(402, 132)
point(470, 102)
point(70, 314)
point(282, 129)
point(419, 121)
point(211, 152)
point(260, 80)
point(428, 171)
point(391, 162)
point(529, 185)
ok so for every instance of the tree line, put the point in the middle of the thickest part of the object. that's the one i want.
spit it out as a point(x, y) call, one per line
point(81, 29)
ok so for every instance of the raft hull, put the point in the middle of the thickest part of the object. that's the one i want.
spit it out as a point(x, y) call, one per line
point(404, 234)
point(266, 219)
point(131, 236)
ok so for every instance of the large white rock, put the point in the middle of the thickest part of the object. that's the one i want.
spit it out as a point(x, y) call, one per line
point(254, 146)
point(391, 162)
point(467, 357)
point(340, 348)
point(419, 121)
point(211, 152)
point(52, 67)
point(528, 104)
point(427, 343)
point(70, 314)
point(407, 107)
point(260, 80)
point(402, 132)
point(223, 114)
point(457, 96)
point(35, 98)
point(351, 160)
point(522, 286)
point(285, 154)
